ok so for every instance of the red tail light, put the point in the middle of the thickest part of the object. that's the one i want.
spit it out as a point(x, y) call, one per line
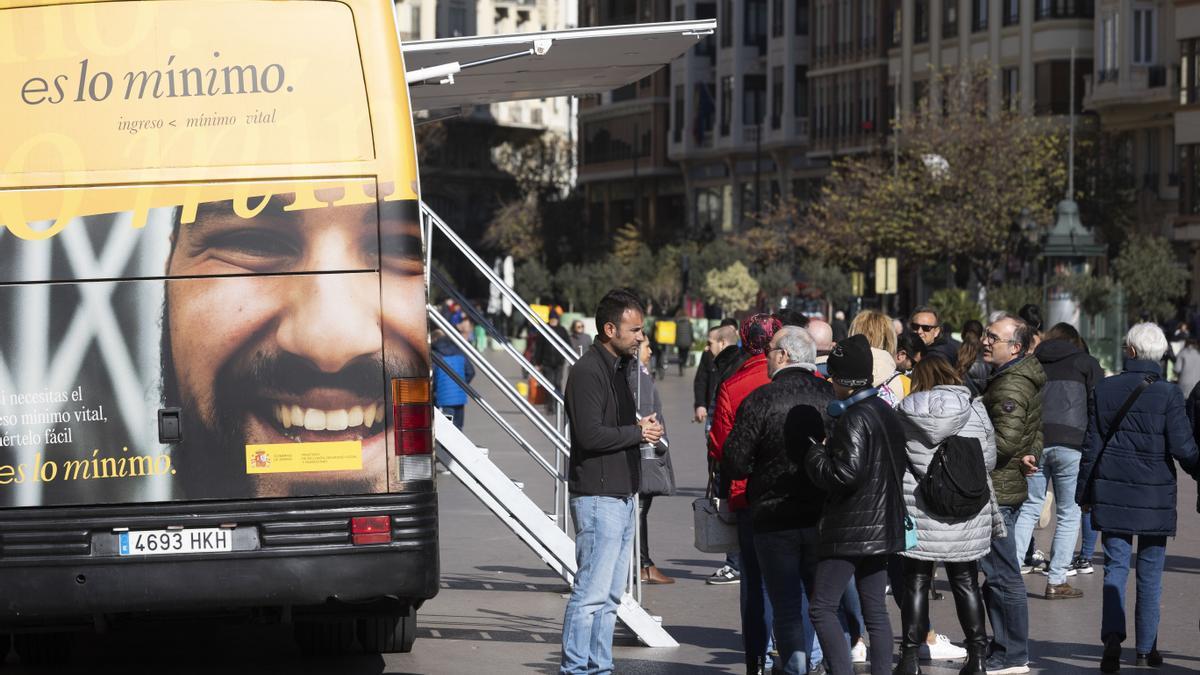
point(413, 416)
point(371, 530)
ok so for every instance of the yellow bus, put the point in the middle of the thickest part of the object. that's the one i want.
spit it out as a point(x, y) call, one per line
point(214, 360)
point(214, 368)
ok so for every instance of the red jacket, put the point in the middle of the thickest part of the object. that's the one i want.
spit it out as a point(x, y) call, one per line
point(750, 376)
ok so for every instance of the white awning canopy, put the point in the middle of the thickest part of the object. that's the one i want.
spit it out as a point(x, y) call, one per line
point(448, 72)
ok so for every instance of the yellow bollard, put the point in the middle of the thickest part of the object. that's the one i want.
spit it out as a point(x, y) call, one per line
point(523, 389)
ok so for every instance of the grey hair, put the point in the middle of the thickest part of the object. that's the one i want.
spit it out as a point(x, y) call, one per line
point(1022, 331)
point(797, 343)
point(1147, 340)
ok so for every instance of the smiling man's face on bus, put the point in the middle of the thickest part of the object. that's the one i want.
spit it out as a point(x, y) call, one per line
point(299, 350)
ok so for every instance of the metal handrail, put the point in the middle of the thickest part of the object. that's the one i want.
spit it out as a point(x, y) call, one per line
point(534, 320)
point(495, 334)
point(440, 361)
point(526, 408)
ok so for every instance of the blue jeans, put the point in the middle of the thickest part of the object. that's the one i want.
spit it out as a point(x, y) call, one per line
point(1005, 597)
point(1060, 465)
point(1151, 554)
point(757, 625)
point(1087, 543)
point(603, 546)
point(788, 560)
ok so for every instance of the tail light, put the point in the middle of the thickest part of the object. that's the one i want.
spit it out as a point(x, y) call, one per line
point(371, 530)
point(412, 415)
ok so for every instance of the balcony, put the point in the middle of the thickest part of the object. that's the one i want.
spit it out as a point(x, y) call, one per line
point(1138, 85)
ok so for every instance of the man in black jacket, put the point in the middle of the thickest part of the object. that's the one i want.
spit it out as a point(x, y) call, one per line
point(721, 359)
point(926, 323)
point(603, 478)
point(774, 427)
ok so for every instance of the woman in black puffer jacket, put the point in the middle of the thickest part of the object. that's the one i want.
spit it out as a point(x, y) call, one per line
point(862, 523)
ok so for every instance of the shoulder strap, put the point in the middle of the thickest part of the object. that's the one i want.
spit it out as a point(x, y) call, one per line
point(1116, 424)
point(1133, 397)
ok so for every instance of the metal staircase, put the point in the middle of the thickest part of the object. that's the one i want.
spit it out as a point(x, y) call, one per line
point(545, 532)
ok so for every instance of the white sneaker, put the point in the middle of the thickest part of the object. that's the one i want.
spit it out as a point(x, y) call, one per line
point(941, 650)
point(858, 654)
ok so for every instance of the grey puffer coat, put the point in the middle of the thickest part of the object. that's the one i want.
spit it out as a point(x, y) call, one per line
point(929, 418)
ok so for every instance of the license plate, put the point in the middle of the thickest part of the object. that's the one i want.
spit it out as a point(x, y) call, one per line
point(156, 542)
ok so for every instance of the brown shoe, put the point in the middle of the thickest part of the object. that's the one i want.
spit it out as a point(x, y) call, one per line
point(1063, 591)
point(652, 575)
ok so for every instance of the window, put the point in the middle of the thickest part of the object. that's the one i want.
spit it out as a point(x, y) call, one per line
point(979, 15)
point(677, 120)
point(680, 12)
point(708, 209)
point(921, 21)
point(845, 26)
point(1012, 12)
point(1150, 160)
point(776, 97)
point(726, 24)
point(458, 21)
point(754, 95)
point(801, 17)
point(1065, 9)
point(1010, 83)
point(950, 20)
point(800, 92)
point(776, 18)
point(1144, 36)
point(726, 103)
point(703, 113)
point(1052, 86)
point(1189, 59)
point(1108, 49)
point(895, 30)
point(416, 21)
point(707, 46)
point(870, 19)
point(755, 25)
point(1189, 180)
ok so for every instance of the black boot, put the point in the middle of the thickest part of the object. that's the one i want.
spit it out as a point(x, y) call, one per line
point(968, 603)
point(1111, 661)
point(976, 658)
point(755, 665)
point(910, 660)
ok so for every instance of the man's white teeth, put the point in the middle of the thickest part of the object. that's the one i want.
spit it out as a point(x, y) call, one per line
point(313, 419)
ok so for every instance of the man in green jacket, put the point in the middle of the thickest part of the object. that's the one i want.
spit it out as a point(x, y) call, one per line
point(1014, 403)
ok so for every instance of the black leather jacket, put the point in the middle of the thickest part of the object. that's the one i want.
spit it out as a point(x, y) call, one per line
point(769, 439)
point(861, 469)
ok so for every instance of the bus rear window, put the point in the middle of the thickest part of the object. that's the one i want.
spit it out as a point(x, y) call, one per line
point(118, 86)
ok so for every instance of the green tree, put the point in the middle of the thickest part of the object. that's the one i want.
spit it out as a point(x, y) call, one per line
point(962, 186)
point(955, 306)
point(776, 280)
point(582, 285)
point(732, 288)
point(1152, 278)
point(1012, 297)
point(826, 280)
point(1093, 293)
point(533, 281)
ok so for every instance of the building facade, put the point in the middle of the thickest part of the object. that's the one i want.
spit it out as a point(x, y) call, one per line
point(1186, 131)
point(624, 172)
point(740, 101)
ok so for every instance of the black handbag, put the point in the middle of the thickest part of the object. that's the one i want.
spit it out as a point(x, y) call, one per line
point(1089, 487)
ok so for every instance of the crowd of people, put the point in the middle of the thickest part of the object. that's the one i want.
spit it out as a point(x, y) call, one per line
point(859, 458)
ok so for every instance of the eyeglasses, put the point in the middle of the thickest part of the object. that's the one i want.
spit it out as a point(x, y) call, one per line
point(992, 338)
point(774, 349)
point(921, 328)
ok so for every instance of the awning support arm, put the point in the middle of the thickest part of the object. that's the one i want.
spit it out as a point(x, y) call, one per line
point(444, 74)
